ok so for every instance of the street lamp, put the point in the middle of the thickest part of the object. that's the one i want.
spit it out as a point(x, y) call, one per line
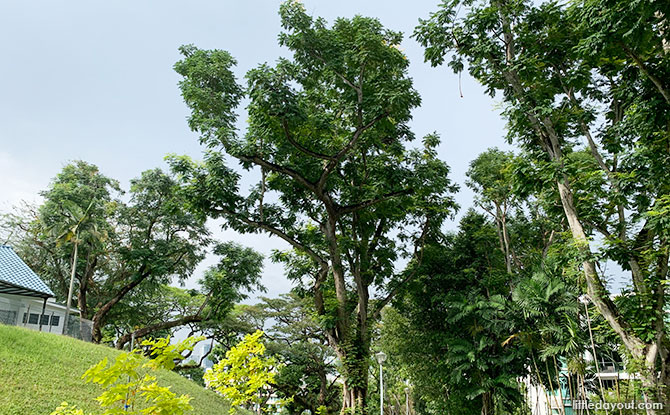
point(381, 358)
point(406, 397)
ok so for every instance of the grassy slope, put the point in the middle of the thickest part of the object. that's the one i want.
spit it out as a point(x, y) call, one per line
point(38, 371)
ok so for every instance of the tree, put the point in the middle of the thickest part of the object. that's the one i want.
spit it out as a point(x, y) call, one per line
point(327, 134)
point(244, 373)
point(72, 230)
point(307, 379)
point(488, 176)
point(158, 240)
point(585, 94)
point(453, 320)
point(122, 247)
point(221, 287)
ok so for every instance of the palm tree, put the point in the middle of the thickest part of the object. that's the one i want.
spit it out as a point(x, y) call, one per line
point(68, 231)
point(550, 307)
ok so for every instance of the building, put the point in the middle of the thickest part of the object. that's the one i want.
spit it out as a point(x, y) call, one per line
point(200, 353)
point(25, 300)
point(569, 397)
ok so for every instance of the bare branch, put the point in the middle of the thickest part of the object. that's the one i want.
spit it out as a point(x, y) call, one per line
point(645, 70)
point(277, 232)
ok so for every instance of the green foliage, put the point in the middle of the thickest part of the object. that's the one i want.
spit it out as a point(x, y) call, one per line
point(129, 389)
point(125, 248)
point(238, 271)
point(166, 355)
point(308, 363)
point(328, 134)
point(626, 392)
point(489, 176)
point(585, 94)
point(244, 373)
point(67, 409)
point(451, 323)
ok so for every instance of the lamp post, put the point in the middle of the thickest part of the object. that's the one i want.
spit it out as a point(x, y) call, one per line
point(406, 397)
point(381, 358)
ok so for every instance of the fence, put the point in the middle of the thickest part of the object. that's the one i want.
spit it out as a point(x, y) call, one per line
point(79, 328)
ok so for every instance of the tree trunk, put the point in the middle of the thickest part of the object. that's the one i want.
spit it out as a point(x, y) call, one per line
point(323, 389)
point(355, 388)
point(99, 316)
point(84, 281)
point(354, 355)
point(502, 236)
point(81, 298)
point(487, 403)
point(354, 399)
point(71, 286)
point(650, 386)
point(350, 339)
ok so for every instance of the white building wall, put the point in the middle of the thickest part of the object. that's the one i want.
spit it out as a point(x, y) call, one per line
point(28, 310)
point(536, 398)
point(10, 306)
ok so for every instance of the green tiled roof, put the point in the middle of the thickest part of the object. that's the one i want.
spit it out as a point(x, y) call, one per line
point(17, 278)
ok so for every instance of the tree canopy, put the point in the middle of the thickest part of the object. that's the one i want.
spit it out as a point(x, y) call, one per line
point(584, 89)
point(327, 134)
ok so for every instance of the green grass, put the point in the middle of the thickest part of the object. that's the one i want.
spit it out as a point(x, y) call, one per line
point(38, 371)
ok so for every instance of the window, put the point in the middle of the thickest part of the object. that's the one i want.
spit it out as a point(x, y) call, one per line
point(33, 319)
point(44, 321)
point(55, 320)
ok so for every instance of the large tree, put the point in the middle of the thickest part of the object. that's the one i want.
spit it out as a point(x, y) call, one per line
point(328, 137)
point(204, 310)
point(585, 92)
point(489, 177)
point(76, 216)
point(157, 241)
point(122, 247)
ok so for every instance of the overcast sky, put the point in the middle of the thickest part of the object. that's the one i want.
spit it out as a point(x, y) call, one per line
point(93, 80)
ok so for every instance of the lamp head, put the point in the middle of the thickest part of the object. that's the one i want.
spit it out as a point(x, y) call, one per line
point(381, 357)
point(584, 299)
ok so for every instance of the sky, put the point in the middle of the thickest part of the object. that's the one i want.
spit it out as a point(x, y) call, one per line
point(93, 80)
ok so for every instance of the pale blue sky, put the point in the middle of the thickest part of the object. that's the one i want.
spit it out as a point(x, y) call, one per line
point(93, 80)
